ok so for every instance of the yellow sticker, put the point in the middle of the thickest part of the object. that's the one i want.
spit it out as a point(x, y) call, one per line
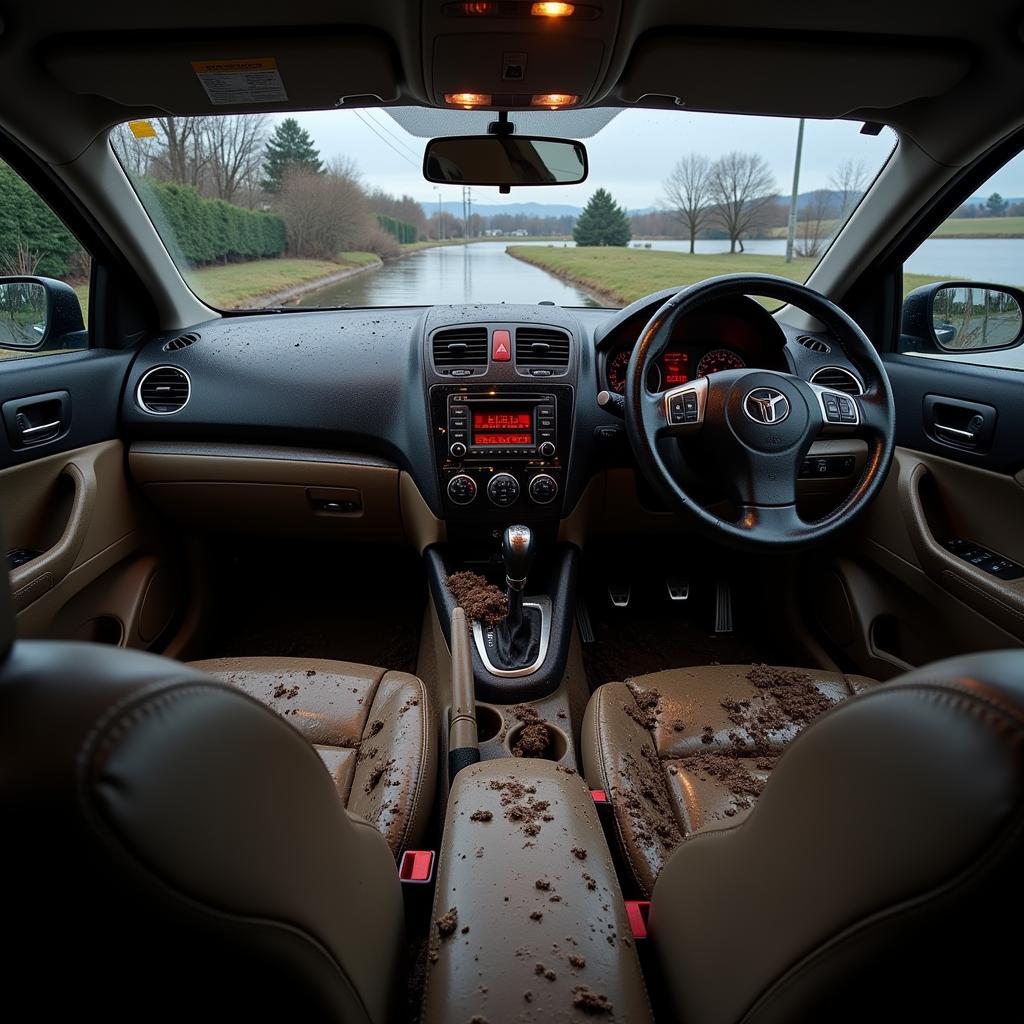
point(240, 81)
point(142, 129)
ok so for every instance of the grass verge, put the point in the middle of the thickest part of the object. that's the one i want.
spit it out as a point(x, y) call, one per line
point(621, 276)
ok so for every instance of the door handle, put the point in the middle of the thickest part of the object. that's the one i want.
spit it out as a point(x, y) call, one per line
point(964, 436)
point(37, 419)
point(24, 430)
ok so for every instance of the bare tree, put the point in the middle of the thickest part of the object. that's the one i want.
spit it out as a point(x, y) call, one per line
point(849, 181)
point(233, 151)
point(742, 187)
point(816, 226)
point(182, 157)
point(135, 154)
point(325, 213)
point(687, 191)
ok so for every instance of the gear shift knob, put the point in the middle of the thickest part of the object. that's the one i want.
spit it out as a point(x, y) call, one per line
point(517, 550)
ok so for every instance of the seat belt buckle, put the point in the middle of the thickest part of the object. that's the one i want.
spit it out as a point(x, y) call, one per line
point(417, 867)
point(638, 913)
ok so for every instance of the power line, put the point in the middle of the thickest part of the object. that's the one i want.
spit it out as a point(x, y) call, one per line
point(386, 142)
point(367, 114)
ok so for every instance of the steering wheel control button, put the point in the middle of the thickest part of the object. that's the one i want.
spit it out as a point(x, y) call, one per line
point(543, 489)
point(546, 449)
point(846, 410)
point(503, 489)
point(457, 450)
point(501, 347)
point(462, 489)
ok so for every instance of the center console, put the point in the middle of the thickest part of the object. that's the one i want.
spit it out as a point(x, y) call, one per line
point(501, 449)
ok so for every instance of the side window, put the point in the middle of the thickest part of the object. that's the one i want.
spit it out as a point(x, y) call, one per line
point(963, 287)
point(38, 318)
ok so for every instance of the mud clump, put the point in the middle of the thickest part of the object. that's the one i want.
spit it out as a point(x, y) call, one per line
point(577, 961)
point(481, 815)
point(534, 740)
point(579, 853)
point(481, 601)
point(536, 915)
point(375, 727)
point(447, 923)
point(282, 692)
point(543, 884)
point(645, 707)
point(647, 802)
point(521, 805)
point(378, 773)
point(730, 769)
point(526, 713)
point(590, 1002)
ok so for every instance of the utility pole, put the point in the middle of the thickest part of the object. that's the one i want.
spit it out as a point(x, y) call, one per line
point(469, 210)
point(440, 221)
point(791, 234)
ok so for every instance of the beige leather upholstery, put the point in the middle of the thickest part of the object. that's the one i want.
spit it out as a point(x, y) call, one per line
point(878, 878)
point(374, 730)
point(675, 760)
point(172, 849)
point(540, 931)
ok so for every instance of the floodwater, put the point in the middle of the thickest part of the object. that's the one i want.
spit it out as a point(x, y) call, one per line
point(484, 272)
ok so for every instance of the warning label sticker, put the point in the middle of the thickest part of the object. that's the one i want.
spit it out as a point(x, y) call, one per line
point(246, 80)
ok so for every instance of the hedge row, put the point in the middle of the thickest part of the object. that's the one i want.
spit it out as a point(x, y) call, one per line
point(199, 230)
point(27, 223)
point(398, 229)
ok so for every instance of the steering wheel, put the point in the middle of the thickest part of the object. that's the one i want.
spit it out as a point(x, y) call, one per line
point(756, 426)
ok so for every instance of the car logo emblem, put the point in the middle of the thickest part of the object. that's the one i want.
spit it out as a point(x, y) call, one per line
point(766, 405)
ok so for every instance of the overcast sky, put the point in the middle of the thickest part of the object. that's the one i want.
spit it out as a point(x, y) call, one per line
point(630, 157)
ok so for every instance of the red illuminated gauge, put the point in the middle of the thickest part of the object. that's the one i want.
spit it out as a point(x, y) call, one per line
point(617, 366)
point(719, 359)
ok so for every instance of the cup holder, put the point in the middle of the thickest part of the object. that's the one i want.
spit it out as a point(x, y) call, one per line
point(533, 743)
point(488, 722)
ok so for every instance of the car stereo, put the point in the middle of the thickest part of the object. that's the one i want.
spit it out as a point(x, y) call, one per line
point(482, 426)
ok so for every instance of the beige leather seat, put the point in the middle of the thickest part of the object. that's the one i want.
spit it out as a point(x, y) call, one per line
point(687, 749)
point(879, 876)
point(374, 730)
point(172, 850)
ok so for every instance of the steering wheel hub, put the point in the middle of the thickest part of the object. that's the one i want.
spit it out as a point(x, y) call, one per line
point(766, 412)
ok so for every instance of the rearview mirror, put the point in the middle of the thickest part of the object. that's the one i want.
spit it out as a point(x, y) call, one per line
point(963, 317)
point(504, 160)
point(39, 312)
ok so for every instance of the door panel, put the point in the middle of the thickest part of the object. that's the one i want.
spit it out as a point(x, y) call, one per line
point(81, 531)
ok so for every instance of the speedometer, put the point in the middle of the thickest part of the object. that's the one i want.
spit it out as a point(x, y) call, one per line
point(617, 366)
point(719, 359)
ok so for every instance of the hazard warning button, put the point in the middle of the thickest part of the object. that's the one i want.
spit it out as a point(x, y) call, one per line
point(501, 346)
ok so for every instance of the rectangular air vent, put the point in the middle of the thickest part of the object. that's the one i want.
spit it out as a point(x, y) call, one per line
point(460, 347)
point(544, 347)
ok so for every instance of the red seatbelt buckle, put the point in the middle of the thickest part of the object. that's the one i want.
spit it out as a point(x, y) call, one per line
point(417, 867)
point(637, 913)
point(603, 803)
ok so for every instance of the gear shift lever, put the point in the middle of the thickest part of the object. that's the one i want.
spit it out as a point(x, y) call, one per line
point(517, 637)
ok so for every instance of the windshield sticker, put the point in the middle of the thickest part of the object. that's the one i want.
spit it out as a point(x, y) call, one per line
point(247, 80)
point(142, 129)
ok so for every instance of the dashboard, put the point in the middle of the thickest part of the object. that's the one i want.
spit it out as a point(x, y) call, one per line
point(488, 413)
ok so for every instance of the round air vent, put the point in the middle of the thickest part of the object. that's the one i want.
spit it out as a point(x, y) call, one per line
point(182, 341)
point(838, 379)
point(164, 390)
point(814, 344)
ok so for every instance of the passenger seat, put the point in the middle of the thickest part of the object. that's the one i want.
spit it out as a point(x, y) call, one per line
point(374, 729)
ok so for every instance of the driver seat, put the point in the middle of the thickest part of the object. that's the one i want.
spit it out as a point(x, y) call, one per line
point(687, 749)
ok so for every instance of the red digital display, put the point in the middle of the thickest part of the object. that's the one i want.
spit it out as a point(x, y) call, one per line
point(677, 368)
point(502, 426)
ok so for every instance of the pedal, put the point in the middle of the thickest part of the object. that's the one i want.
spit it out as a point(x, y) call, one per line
point(619, 594)
point(678, 588)
point(723, 607)
point(583, 622)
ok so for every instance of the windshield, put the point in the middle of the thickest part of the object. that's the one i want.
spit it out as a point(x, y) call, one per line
point(331, 208)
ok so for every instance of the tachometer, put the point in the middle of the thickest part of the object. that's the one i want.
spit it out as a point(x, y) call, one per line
point(617, 366)
point(719, 359)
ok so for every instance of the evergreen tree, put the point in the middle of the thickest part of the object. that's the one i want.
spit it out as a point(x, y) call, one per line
point(602, 222)
point(290, 146)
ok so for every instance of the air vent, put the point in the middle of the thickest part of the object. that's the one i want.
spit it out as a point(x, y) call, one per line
point(182, 341)
point(460, 348)
point(838, 379)
point(542, 347)
point(164, 390)
point(814, 344)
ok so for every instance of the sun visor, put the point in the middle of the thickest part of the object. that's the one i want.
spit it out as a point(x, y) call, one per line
point(265, 73)
point(788, 76)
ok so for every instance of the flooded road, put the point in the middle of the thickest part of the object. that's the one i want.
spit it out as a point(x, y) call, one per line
point(478, 272)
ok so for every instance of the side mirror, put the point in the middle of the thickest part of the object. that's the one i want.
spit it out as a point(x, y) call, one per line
point(38, 313)
point(954, 316)
point(504, 160)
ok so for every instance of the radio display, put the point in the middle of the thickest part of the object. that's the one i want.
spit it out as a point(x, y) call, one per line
point(502, 426)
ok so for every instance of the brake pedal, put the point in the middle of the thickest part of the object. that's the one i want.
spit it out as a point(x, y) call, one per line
point(619, 594)
point(723, 607)
point(678, 588)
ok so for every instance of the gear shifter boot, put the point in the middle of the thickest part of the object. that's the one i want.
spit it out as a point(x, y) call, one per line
point(517, 641)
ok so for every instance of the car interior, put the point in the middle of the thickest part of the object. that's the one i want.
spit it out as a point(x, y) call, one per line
point(485, 662)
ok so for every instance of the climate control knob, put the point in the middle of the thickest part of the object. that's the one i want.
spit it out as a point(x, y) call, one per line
point(546, 449)
point(543, 489)
point(462, 489)
point(457, 450)
point(503, 489)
